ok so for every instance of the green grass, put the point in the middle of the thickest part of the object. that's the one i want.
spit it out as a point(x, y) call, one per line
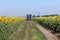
point(35, 34)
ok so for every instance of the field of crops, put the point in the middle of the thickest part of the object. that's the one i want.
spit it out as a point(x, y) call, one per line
point(8, 25)
point(51, 22)
point(18, 28)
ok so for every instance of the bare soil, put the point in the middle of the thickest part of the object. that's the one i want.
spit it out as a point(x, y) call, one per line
point(47, 33)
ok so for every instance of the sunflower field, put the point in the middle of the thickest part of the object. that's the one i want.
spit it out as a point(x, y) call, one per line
point(8, 25)
point(51, 22)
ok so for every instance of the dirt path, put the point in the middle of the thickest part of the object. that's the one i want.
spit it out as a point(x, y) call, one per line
point(27, 31)
point(46, 32)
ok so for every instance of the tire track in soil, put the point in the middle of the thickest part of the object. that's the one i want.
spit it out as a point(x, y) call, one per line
point(27, 31)
point(47, 33)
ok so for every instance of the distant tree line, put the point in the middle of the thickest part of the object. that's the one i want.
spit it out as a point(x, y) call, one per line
point(49, 15)
point(45, 15)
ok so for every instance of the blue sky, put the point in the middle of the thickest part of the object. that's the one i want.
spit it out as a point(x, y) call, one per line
point(23, 7)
